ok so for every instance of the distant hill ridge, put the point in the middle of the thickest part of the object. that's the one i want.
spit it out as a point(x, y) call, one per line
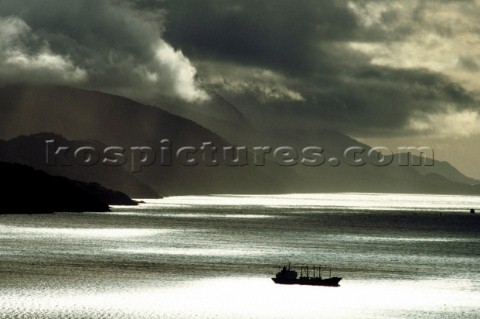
point(88, 117)
point(31, 150)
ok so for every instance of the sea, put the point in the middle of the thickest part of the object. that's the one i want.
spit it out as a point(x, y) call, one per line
point(400, 256)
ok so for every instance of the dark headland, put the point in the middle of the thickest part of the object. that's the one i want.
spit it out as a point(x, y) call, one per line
point(29, 191)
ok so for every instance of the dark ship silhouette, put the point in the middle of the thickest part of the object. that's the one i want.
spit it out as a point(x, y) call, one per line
point(288, 276)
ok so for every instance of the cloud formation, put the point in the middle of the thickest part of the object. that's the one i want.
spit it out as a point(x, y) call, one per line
point(282, 35)
point(267, 86)
point(105, 45)
point(362, 67)
point(24, 57)
point(367, 68)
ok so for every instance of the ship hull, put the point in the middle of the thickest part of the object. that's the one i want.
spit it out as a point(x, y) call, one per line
point(330, 282)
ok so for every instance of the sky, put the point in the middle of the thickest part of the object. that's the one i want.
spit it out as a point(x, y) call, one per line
point(390, 73)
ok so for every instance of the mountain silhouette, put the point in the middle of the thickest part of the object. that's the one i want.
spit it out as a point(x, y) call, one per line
point(116, 121)
point(31, 151)
point(42, 193)
point(81, 117)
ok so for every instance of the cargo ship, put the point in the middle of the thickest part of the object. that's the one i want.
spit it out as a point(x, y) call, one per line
point(288, 276)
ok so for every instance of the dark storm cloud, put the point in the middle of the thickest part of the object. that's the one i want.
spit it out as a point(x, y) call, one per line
point(384, 99)
point(111, 45)
point(363, 101)
point(281, 34)
point(282, 60)
point(309, 42)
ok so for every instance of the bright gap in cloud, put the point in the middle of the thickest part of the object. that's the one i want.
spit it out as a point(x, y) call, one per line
point(453, 123)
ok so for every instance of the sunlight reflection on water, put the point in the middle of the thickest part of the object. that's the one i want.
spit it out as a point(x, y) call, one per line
point(193, 215)
point(372, 201)
point(212, 256)
point(191, 251)
point(251, 298)
point(81, 232)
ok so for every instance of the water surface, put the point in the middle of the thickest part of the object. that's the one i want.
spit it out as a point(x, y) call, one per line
point(401, 256)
